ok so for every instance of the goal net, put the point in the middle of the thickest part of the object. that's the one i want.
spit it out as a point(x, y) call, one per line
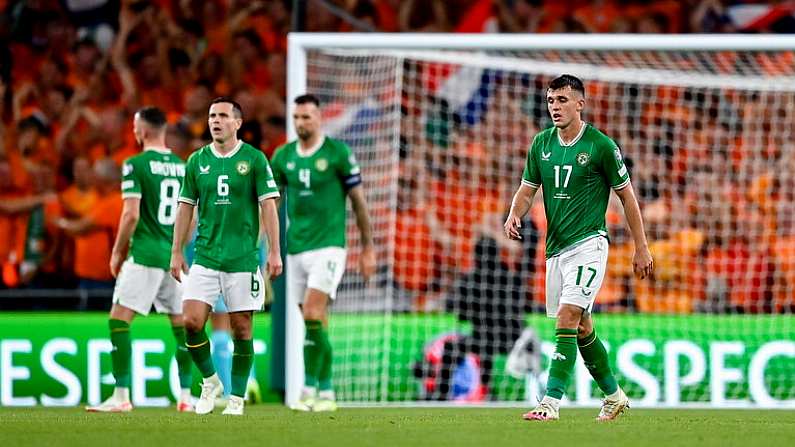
point(455, 312)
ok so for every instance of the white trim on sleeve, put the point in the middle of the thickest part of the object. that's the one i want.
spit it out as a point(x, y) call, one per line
point(186, 200)
point(269, 195)
point(131, 195)
point(530, 184)
point(621, 186)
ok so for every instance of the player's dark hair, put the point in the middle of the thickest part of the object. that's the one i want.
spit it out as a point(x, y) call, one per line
point(236, 109)
point(307, 99)
point(152, 116)
point(567, 80)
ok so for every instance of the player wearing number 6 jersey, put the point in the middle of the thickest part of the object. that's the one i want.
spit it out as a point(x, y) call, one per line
point(232, 184)
point(576, 166)
point(150, 187)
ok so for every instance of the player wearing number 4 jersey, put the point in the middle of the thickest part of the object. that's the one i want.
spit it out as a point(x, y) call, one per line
point(318, 174)
point(576, 166)
point(232, 184)
point(150, 186)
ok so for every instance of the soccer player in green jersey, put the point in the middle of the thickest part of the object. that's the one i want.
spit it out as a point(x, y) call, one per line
point(232, 184)
point(150, 186)
point(318, 174)
point(576, 165)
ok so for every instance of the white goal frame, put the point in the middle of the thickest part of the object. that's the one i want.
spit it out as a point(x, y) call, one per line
point(300, 43)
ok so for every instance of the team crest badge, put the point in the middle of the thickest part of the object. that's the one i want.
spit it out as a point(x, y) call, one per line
point(582, 158)
point(321, 164)
point(242, 167)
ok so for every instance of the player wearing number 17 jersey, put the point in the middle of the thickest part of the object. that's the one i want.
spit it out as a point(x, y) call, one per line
point(576, 166)
point(150, 187)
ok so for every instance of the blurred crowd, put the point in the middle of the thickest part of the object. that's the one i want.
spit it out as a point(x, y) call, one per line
point(73, 73)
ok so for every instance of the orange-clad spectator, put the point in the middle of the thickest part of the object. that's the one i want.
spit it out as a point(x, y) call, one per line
point(739, 270)
point(416, 252)
point(273, 134)
point(80, 197)
point(676, 248)
point(618, 278)
point(460, 201)
point(95, 232)
point(598, 16)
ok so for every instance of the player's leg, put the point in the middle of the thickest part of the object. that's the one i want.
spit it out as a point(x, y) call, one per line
point(119, 326)
point(134, 292)
point(169, 302)
point(562, 361)
point(325, 274)
point(594, 356)
point(222, 344)
point(202, 288)
point(243, 293)
point(184, 363)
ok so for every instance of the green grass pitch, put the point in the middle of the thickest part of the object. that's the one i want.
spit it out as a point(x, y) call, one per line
point(272, 425)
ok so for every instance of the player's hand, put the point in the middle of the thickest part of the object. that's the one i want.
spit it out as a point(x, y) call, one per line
point(178, 266)
point(116, 260)
point(367, 262)
point(642, 263)
point(274, 265)
point(512, 226)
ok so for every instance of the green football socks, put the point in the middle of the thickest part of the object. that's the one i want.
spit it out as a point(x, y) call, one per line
point(183, 357)
point(314, 348)
point(242, 359)
point(562, 362)
point(594, 355)
point(120, 356)
point(199, 348)
point(324, 375)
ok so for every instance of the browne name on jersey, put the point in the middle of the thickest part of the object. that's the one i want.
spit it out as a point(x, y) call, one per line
point(166, 169)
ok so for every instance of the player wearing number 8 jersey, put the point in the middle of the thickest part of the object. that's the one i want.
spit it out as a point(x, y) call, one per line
point(150, 187)
point(232, 184)
point(576, 166)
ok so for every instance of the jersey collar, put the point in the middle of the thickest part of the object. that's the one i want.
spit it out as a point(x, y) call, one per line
point(230, 154)
point(576, 139)
point(306, 153)
point(160, 151)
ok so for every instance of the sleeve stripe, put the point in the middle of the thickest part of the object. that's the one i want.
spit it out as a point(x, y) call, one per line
point(623, 185)
point(269, 195)
point(186, 200)
point(530, 184)
point(131, 195)
point(127, 184)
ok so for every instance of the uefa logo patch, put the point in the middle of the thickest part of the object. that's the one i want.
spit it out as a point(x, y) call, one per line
point(242, 167)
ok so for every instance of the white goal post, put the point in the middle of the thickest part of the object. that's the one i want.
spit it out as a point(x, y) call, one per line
point(533, 56)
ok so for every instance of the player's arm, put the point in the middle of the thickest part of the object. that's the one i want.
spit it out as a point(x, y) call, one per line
point(182, 228)
point(367, 261)
point(520, 205)
point(523, 198)
point(642, 262)
point(269, 221)
point(128, 220)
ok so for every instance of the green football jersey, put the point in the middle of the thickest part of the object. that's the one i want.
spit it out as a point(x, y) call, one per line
point(155, 177)
point(316, 187)
point(576, 181)
point(228, 190)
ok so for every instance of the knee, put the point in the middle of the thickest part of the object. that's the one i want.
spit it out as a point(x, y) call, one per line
point(193, 324)
point(312, 312)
